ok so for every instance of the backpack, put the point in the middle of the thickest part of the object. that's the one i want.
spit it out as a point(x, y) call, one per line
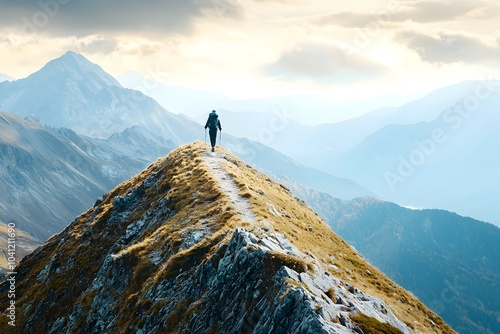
point(213, 120)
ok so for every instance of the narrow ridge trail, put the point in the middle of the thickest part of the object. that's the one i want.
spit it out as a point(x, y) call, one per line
point(214, 161)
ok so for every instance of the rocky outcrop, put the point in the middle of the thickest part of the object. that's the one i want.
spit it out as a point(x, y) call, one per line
point(257, 283)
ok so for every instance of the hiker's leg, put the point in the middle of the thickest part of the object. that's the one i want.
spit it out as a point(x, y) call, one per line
point(213, 136)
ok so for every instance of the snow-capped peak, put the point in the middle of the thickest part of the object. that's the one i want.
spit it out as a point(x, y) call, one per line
point(74, 65)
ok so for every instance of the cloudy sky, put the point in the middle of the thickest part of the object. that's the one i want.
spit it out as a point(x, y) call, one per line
point(341, 50)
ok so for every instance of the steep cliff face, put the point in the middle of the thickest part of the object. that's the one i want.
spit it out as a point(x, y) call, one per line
point(202, 243)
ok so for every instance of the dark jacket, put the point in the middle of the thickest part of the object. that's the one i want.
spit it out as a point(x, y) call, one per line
point(218, 121)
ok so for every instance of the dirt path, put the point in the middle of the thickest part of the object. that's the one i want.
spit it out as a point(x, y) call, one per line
point(227, 185)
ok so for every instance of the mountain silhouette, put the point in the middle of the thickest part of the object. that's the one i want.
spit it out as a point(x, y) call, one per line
point(203, 243)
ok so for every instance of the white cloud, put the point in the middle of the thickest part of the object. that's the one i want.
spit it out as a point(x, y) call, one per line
point(324, 63)
point(264, 48)
point(452, 46)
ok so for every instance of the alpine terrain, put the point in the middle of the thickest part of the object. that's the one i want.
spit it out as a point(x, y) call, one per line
point(203, 243)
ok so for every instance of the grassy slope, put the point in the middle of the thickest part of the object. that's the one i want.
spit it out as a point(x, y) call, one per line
point(87, 240)
point(193, 192)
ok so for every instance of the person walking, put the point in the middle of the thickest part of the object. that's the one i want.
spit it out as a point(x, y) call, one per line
point(213, 123)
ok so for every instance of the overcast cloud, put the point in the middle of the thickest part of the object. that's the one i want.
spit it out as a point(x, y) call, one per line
point(86, 17)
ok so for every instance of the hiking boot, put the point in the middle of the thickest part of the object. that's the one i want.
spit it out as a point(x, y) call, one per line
point(213, 149)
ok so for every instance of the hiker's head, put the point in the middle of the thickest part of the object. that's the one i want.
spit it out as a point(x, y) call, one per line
point(214, 111)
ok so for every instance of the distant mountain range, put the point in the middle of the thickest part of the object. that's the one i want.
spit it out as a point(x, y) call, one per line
point(450, 162)
point(451, 263)
point(195, 103)
point(280, 130)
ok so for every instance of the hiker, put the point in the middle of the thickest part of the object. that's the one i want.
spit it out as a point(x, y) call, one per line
point(213, 123)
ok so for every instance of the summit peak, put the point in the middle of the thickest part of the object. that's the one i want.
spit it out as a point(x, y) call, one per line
point(77, 66)
point(201, 242)
point(72, 92)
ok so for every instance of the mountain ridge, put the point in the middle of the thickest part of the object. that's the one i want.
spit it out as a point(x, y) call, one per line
point(74, 170)
point(34, 159)
point(170, 251)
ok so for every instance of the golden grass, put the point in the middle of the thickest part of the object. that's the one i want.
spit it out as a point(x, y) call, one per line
point(373, 326)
